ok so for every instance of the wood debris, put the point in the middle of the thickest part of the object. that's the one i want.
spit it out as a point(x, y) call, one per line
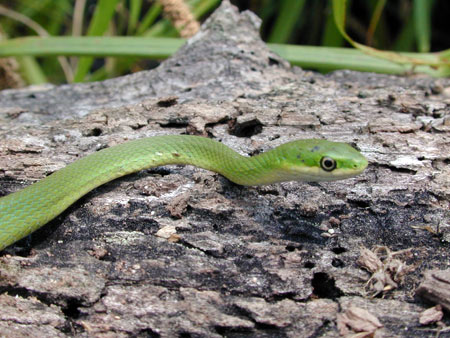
point(358, 320)
point(387, 270)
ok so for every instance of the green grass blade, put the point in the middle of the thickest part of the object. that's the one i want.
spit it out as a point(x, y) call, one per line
point(323, 58)
point(99, 24)
point(135, 10)
point(331, 36)
point(408, 59)
point(287, 18)
point(374, 21)
point(422, 23)
point(405, 39)
point(30, 70)
point(332, 58)
point(204, 7)
point(92, 46)
point(149, 18)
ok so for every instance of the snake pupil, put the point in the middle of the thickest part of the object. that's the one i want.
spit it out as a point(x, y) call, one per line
point(327, 163)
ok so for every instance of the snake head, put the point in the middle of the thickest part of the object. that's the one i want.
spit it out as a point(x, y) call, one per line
point(320, 160)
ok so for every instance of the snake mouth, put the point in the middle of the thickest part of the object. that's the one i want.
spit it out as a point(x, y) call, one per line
point(317, 174)
point(340, 174)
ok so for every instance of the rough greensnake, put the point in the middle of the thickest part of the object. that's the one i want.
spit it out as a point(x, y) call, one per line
point(315, 160)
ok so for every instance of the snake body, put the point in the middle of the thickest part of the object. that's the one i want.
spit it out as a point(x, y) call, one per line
point(28, 209)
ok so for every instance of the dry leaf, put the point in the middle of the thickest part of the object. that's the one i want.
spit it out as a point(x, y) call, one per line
point(387, 271)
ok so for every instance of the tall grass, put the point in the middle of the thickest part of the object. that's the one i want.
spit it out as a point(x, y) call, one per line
point(59, 41)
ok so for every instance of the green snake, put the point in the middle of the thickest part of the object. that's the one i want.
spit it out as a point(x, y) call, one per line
point(314, 160)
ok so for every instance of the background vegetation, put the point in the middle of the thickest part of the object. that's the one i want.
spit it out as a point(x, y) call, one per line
point(136, 34)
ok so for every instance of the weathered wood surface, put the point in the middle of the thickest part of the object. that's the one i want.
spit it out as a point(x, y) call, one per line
point(436, 287)
point(179, 251)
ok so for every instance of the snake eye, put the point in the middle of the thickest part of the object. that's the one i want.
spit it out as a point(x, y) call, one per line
point(327, 163)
